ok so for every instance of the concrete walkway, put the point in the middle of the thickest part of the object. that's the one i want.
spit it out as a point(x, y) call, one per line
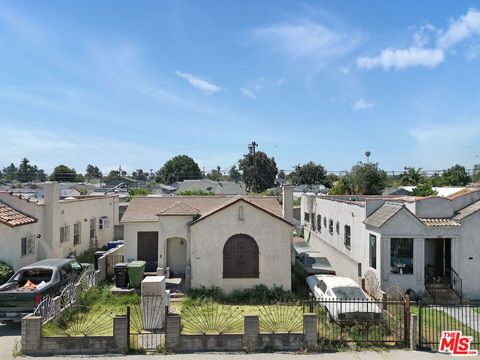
point(9, 334)
point(464, 315)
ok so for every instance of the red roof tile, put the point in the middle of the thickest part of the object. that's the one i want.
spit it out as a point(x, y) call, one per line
point(11, 217)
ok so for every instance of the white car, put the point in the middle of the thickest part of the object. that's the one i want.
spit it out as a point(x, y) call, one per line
point(344, 299)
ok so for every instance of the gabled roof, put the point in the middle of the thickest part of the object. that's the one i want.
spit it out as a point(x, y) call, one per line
point(467, 211)
point(146, 208)
point(179, 208)
point(383, 214)
point(11, 217)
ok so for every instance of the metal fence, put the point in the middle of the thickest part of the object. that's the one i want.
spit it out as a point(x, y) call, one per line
point(343, 323)
point(435, 318)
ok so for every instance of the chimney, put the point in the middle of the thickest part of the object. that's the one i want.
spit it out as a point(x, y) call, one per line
point(287, 202)
point(51, 199)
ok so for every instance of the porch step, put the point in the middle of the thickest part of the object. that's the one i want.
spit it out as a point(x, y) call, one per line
point(443, 294)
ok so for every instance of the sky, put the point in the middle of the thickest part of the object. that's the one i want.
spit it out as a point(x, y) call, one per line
point(134, 83)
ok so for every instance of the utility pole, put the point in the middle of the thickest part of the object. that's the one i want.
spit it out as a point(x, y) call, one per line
point(252, 150)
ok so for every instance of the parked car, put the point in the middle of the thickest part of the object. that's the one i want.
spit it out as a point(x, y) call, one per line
point(28, 286)
point(344, 299)
point(314, 263)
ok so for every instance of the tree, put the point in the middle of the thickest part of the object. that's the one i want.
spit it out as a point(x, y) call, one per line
point(10, 172)
point(139, 175)
point(179, 168)
point(456, 176)
point(476, 173)
point(93, 172)
point(341, 187)
point(366, 179)
point(26, 172)
point(215, 174)
point(234, 174)
point(265, 174)
point(424, 190)
point(63, 173)
point(116, 173)
point(412, 176)
point(309, 174)
point(282, 175)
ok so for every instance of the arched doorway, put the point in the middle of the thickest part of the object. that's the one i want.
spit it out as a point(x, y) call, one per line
point(177, 255)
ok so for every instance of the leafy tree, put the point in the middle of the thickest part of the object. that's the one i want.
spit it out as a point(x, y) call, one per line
point(63, 173)
point(424, 190)
point(198, 192)
point(281, 175)
point(41, 176)
point(266, 171)
point(342, 187)
point(10, 172)
point(140, 175)
point(116, 173)
point(26, 172)
point(309, 174)
point(476, 173)
point(234, 174)
point(365, 179)
point(137, 192)
point(179, 168)
point(456, 176)
point(215, 174)
point(93, 172)
point(6, 272)
point(436, 180)
point(79, 178)
point(412, 176)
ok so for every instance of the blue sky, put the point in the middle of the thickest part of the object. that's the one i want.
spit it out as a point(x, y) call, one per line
point(137, 82)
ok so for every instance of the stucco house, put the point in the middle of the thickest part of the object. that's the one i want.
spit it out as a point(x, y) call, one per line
point(230, 242)
point(33, 229)
point(410, 242)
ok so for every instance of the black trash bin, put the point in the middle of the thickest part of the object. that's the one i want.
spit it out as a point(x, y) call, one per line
point(121, 275)
point(96, 256)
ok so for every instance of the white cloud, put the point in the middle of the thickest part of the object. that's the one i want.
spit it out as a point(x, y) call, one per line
point(281, 82)
point(362, 104)
point(402, 58)
point(344, 70)
point(466, 26)
point(248, 93)
point(307, 41)
point(428, 47)
point(198, 83)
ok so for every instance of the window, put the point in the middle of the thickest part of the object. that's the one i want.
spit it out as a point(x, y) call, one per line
point(240, 257)
point(104, 223)
point(324, 222)
point(373, 251)
point(346, 239)
point(76, 233)
point(93, 226)
point(306, 216)
point(401, 256)
point(330, 226)
point(313, 222)
point(64, 233)
point(240, 213)
point(27, 246)
point(337, 228)
point(322, 286)
point(319, 223)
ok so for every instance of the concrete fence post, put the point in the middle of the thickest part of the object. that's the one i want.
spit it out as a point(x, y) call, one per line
point(172, 331)
point(31, 333)
point(413, 331)
point(102, 268)
point(310, 330)
point(120, 331)
point(57, 306)
point(252, 329)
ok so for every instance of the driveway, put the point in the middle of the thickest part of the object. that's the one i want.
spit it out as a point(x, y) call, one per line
point(8, 335)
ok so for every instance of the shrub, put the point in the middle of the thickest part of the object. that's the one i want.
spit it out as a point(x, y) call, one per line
point(194, 193)
point(6, 272)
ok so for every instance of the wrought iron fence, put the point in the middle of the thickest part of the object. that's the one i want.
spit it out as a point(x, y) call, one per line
point(362, 322)
point(435, 318)
point(46, 309)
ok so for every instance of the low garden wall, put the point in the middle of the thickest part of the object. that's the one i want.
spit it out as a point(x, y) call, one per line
point(250, 340)
point(33, 343)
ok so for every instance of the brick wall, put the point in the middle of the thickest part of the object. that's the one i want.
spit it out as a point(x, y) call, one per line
point(33, 343)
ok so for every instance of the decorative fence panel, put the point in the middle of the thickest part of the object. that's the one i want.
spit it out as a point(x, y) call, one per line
point(435, 318)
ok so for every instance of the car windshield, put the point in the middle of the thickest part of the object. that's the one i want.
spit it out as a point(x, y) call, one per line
point(345, 292)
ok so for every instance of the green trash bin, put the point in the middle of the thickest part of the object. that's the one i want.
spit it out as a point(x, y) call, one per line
point(135, 273)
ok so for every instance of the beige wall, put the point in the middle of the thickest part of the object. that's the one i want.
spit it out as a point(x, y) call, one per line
point(130, 233)
point(209, 236)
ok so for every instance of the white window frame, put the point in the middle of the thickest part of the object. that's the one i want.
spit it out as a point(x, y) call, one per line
point(29, 245)
point(65, 231)
point(77, 233)
point(103, 223)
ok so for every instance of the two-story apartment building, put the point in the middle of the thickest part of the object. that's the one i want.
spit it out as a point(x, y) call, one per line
point(408, 241)
point(32, 229)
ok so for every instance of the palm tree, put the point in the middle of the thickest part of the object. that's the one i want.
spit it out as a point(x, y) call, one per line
point(412, 176)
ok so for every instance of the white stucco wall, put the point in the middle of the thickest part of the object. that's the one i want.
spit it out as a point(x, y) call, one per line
point(468, 261)
point(208, 238)
point(10, 244)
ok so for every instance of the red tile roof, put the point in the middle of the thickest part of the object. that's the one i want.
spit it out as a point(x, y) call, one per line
point(11, 217)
